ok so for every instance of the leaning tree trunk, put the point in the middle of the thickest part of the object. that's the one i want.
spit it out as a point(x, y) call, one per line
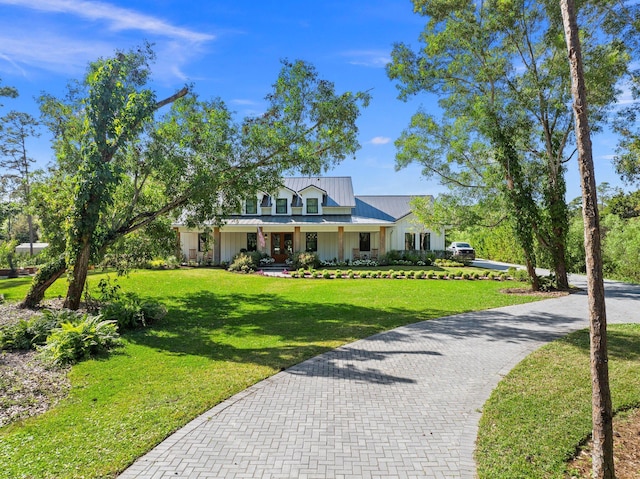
point(79, 276)
point(533, 276)
point(602, 414)
point(44, 278)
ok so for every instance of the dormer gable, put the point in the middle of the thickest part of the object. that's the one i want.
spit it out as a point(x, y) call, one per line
point(313, 199)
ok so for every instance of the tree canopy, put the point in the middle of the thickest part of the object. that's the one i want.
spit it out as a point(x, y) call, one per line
point(123, 165)
point(505, 125)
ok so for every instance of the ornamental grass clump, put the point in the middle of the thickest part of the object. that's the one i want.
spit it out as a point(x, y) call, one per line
point(442, 275)
point(326, 274)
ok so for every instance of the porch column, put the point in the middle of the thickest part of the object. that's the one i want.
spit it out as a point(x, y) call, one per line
point(216, 245)
point(383, 241)
point(340, 243)
point(297, 240)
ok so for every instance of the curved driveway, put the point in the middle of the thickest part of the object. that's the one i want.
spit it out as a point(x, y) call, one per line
point(404, 403)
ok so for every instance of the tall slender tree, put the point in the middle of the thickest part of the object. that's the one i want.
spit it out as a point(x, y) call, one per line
point(602, 413)
point(14, 160)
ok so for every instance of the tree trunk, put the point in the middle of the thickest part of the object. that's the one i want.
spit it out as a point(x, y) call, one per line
point(533, 276)
point(30, 222)
point(557, 207)
point(80, 269)
point(602, 415)
point(44, 278)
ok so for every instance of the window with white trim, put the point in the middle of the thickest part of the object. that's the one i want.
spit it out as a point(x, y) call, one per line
point(312, 206)
point(281, 206)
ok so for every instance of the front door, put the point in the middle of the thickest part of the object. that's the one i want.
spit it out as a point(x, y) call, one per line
point(281, 246)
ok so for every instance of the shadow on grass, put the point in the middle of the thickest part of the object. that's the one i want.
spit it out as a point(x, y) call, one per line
point(273, 331)
point(623, 343)
point(279, 332)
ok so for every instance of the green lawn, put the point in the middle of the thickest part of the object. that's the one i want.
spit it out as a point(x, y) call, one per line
point(223, 333)
point(541, 411)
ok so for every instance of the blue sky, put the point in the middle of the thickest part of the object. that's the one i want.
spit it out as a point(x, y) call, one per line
point(231, 49)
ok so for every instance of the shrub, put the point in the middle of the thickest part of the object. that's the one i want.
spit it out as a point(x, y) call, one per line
point(82, 338)
point(170, 262)
point(131, 312)
point(326, 274)
point(431, 275)
point(465, 276)
point(351, 275)
point(338, 274)
point(475, 276)
point(491, 275)
point(521, 275)
point(306, 260)
point(243, 263)
point(315, 274)
point(441, 275)
point(411, 274)
point(27, 334)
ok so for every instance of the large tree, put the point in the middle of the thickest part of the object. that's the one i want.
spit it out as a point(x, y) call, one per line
point(124, 166)
point(498, 68)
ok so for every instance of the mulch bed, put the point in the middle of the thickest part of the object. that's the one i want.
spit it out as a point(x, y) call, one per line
point(27, 388)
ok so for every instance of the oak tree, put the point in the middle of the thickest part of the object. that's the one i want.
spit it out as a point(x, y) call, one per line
point(125, 166)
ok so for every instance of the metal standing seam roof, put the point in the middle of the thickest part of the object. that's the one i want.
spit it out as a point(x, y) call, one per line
point(389, 208)
point(339, 189)
point(369, 209)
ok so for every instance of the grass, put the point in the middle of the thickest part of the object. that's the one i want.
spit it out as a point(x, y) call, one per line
point(223, 333)
point(541, 411)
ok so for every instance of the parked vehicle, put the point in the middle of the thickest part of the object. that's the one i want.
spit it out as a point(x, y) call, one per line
point(462, 250)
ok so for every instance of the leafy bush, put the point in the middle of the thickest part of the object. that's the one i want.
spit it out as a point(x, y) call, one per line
point(441, 275)
point(7, 248)
point(306, 260)
point(431, 275)
point(243, 263)
point(326, 274)
point(27, 334)
point(170, 262)
point(84, 337)
point(131, 312)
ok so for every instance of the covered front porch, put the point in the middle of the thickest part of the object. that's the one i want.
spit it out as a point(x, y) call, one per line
point(281, 241)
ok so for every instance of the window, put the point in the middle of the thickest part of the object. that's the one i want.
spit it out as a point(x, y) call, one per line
point(409, 241)
point(365, 242)
point(425, 241)
point(281, 206)
point(312, 205)
point(251, 206)
point(312, 243)
point(252, 241)
point(202, 242)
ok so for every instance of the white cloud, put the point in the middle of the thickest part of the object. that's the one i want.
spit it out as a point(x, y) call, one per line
point(119, 18)
point(242, 101)
point(380, 140)
point(50, 52)
point(368, 58)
